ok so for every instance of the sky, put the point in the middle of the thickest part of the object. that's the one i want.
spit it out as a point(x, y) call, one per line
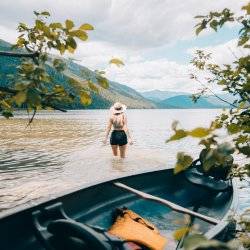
point(154, 38)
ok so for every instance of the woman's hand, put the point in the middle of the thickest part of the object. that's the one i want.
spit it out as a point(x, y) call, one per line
point(130, 141)
point(105, 141)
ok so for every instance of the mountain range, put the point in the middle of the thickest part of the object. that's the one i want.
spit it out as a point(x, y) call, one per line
point(116, 91)
point(171, 99)
point(104, 99)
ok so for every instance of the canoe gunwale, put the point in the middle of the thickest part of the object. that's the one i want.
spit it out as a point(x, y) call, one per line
point(216, 230)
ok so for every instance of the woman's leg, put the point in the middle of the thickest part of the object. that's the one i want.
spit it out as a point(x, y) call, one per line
point(122, 151)
point(114, 149)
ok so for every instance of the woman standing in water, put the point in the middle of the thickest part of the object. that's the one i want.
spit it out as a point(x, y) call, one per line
point(120, 135)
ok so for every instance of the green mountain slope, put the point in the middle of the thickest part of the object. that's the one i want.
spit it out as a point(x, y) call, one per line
point(184, 101)
point(171, 99)
point(160, 95)
point(116, 91)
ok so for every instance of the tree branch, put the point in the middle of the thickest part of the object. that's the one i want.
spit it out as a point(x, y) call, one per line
point(8, 90)
point(231, 104)
point(14, 54)
point(32, 118)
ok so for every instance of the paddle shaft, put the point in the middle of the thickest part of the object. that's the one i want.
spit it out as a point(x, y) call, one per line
point(170, 204)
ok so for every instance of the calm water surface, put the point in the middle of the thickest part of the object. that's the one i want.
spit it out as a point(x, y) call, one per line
point(62, 151)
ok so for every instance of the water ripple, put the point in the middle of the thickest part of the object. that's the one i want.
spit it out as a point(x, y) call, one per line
point(62, 151)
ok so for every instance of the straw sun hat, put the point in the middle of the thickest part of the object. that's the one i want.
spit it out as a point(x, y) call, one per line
point(118, 108)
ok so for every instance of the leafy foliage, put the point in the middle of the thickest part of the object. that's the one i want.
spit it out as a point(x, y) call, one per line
point(216, 156)
point(32, 86)
point(233, 79)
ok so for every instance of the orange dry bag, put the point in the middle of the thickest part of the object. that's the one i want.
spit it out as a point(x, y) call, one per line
point(130, 226)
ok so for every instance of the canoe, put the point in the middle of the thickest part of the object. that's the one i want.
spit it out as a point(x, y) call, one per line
point(92, 206)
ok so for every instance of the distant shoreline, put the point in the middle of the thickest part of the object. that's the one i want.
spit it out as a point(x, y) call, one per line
point(58, 111)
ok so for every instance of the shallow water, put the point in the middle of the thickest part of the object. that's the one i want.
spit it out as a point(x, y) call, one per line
point(62, 151)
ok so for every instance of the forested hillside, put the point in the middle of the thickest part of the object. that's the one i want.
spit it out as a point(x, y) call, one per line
point(105, 97)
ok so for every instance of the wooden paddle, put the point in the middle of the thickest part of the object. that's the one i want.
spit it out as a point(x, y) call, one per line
point(170, 204)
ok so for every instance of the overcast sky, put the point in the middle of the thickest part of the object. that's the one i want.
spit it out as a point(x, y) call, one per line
point(154, 38)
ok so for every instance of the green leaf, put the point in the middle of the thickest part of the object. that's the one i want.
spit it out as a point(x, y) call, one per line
point(27, 67)
point(103, 82)
point(58, 89)
point(85, 98)
point(61, 48)
point(183, 162)
point(79, 34)
point(36, 13)
point(7, 114)
point(20, 98)
point(39, 24)
point(199, 132)
point(243, 40)
point(59, 64)
point(86, 26)
point(56, 26)
point(20, 42)
point(198, 30)
point(245, 150)
point(179, 134)
point(223, 117)
point(180, 233)
point(233, 128)
point(247, 8)
point(69, 24)
point(71, 42)
point(222, 82)
point(70, 50)
point(5, 104)
point(45, 13)
point(93, 87)
point(21, 86)
point(214, 25)
point(208, 163)
point(116, 61)
point(199, 16)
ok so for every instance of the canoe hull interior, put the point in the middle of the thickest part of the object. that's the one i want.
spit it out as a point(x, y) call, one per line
point(94, 205)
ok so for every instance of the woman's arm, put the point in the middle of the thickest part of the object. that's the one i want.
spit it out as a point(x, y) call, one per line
point(127, 130)
point(107, 131)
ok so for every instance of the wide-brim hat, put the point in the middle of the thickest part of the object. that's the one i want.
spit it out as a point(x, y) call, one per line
point(118, 108)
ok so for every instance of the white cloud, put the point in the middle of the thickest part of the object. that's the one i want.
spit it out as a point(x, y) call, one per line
point(225, 53)
point(155, 74)
point(127, 29)
point(168, 75)
point(132, 23)
point(7, 34)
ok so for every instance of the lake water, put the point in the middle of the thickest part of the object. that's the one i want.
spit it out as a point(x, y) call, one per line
point(62, 151)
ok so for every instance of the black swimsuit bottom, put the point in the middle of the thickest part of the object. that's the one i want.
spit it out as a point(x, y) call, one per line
point(118, 137)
